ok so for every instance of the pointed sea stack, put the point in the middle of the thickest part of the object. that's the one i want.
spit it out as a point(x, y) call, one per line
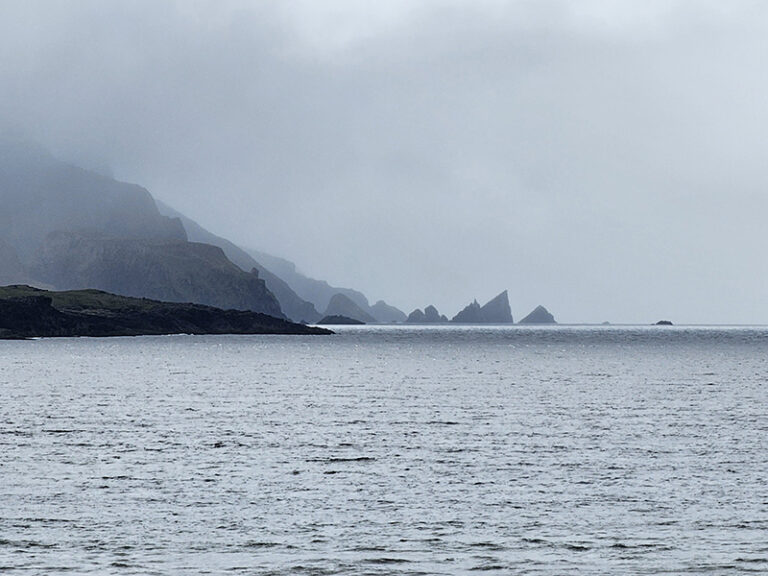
point(495, 311)
point(470, 315)
point(539, 315)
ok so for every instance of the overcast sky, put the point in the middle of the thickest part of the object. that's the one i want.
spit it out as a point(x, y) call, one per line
point(605, 159)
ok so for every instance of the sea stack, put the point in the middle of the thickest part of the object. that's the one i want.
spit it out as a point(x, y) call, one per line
point(430, 315)
point(539, 315)
point(495, 311)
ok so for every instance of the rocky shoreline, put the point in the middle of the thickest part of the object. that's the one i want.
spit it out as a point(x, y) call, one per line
point(27, 312)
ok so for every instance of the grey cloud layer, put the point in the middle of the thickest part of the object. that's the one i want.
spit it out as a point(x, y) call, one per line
point(609, 165)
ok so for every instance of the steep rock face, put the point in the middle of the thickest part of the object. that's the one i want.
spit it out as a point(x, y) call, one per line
point(341, 305)
point(497, 310)
point(539, 315)
point(294, 307)
point(168, 271)
point(383, 312)
point(471, 314)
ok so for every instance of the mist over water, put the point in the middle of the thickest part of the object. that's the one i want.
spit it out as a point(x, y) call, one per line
point(388, 450)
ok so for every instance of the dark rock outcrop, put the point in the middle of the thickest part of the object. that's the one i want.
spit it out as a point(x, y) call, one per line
point(341, 305)
point(539, 315)
point(27, 312)
point(340, 320)
point(664, 323)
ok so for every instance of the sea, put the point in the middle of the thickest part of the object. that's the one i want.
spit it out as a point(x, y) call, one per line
point(563, 450)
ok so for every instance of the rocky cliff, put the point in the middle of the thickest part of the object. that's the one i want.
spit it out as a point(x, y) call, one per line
point(162, 270)
point(293, 306)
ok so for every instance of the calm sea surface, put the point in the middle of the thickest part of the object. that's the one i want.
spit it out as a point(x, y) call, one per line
point(548, 451)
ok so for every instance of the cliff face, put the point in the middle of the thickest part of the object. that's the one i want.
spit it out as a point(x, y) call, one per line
point(294, 307)
point(168, 271)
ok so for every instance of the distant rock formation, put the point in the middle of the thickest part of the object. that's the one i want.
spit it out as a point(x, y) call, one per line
point(386, 313)
point(294, 307)
point(430, 315)
point(340, 320)
point(469, 315)
point(166, 271)
point(495, 311)
point(341, 305)
point(664, 323)
point(539, 315)
point(416, 317)
point(27, 312)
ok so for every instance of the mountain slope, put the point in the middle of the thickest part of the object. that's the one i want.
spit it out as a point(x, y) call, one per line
point(291, 304)
point(66, 227)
